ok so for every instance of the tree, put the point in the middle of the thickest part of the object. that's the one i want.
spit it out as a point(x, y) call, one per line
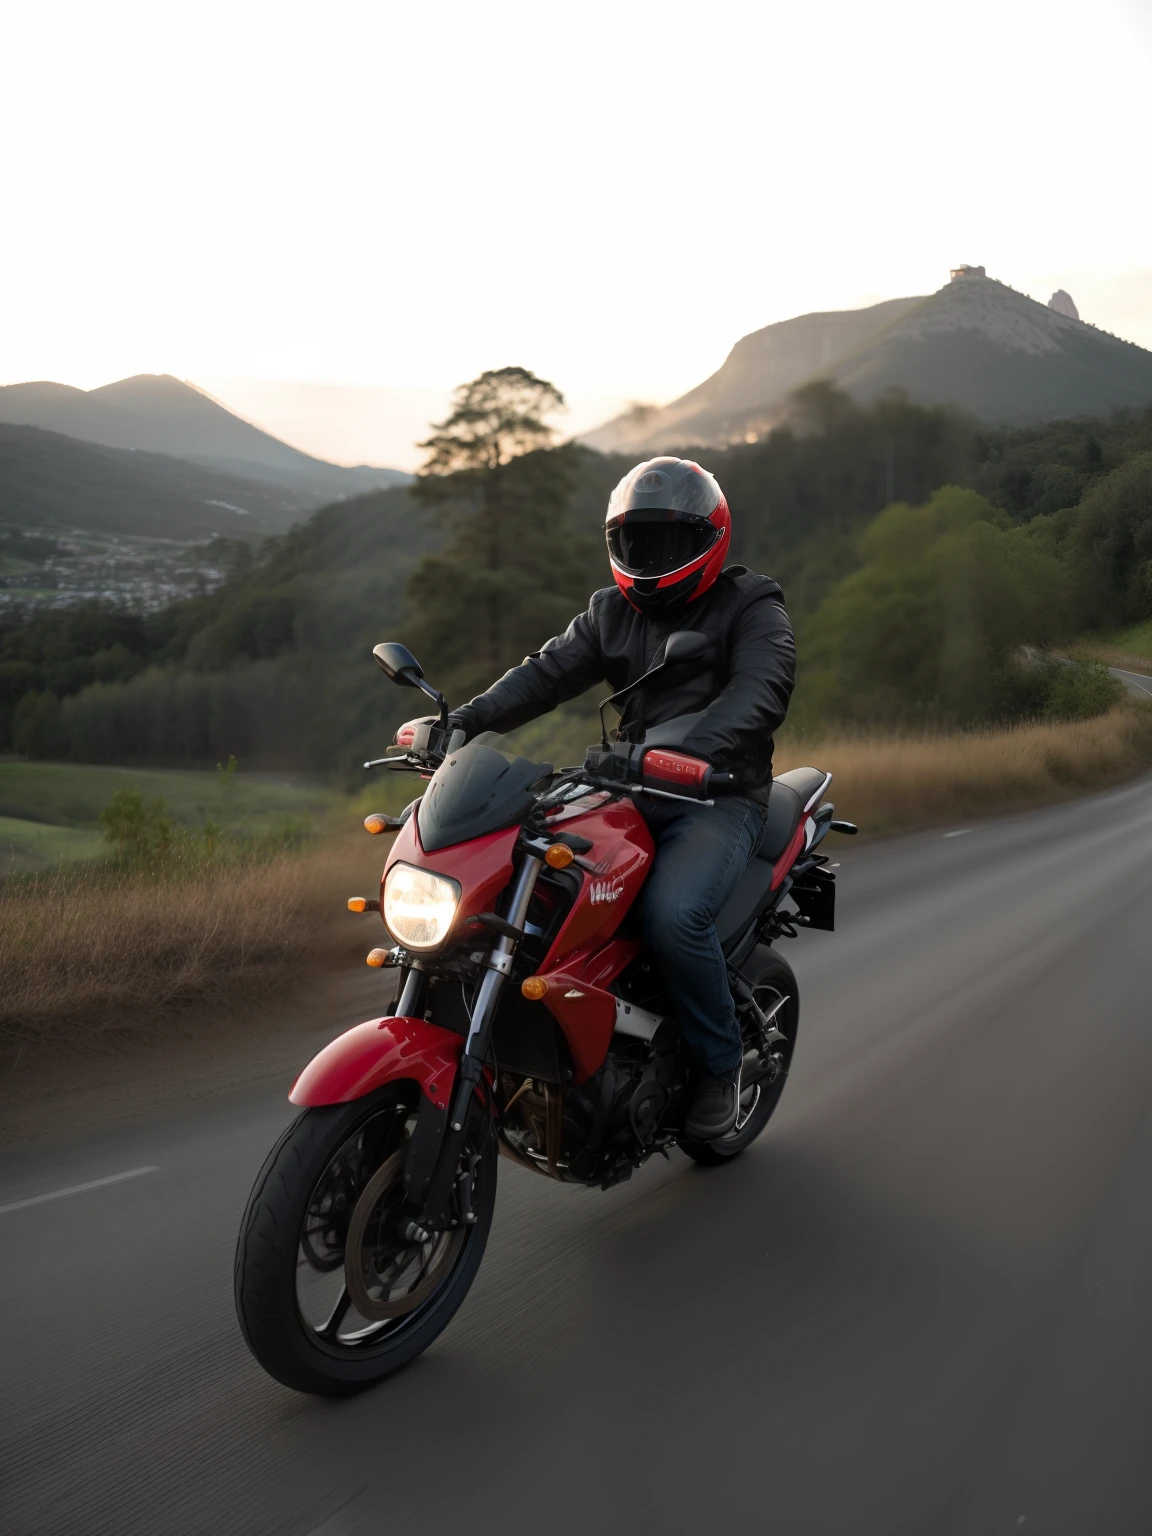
point(495, 418)
point(515, 568)
point(1111, 544)
point(933, 622)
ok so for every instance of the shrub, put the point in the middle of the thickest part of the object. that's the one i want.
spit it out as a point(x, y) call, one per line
point(140, 830)
point(1079, 690)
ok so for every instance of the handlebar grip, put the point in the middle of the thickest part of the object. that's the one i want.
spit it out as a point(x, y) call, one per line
point(720, 782)
point(677, 773)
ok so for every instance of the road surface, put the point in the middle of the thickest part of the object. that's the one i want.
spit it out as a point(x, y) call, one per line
point(1138, 683)
point(921, 1306)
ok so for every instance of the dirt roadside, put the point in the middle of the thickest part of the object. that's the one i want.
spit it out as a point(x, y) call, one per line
point(190, 1059)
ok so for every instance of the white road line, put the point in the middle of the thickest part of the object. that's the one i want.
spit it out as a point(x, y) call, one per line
point(963, 832)
point(1132, 678)
point(77, 1189)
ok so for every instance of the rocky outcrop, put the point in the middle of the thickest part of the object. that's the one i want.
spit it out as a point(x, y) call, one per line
point(1062, 303)
point(1000, 355)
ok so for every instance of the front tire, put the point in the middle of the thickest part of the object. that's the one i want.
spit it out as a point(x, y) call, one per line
point(292, 1294)
point(772, 982)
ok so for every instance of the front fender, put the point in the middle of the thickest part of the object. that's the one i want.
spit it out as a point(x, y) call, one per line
point(381, 1051)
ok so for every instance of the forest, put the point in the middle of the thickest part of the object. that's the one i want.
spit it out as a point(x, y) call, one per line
point(933, 568)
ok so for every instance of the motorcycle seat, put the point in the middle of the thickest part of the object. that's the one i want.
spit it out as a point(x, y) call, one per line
point(791, 792)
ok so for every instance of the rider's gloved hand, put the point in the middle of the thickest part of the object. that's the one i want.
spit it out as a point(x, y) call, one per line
point(461, 720)
point(406, 734)
point(679, 773)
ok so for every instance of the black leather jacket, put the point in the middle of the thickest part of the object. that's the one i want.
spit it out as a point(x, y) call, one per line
point(742, 687)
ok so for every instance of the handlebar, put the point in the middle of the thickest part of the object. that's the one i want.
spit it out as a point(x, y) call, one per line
point(625, 769)
point(426, 744)
point(657, 771)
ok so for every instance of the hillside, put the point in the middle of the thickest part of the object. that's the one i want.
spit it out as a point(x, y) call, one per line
point(57, 483)
point(276, 662)
point(761, 369)
point(975, 344)
point(156, 413)
point(980, 345)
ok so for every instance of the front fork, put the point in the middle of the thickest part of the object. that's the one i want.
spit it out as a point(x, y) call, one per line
point(439, 1136)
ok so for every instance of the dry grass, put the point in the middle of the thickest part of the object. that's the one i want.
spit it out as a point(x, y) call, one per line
point(891, 784)
point(1111, 656)
point(89, 950)
point(91, 954)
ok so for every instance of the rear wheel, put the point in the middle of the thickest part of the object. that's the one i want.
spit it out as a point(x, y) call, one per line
point(329, 1296)
point(766, 1063)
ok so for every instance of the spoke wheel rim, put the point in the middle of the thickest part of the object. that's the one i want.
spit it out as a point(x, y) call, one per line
point(323, 1303)
point(745, 1113)
point(754, 1080)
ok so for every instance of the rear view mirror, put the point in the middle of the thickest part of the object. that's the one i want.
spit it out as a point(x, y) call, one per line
point(399, 663)
point(402, 667)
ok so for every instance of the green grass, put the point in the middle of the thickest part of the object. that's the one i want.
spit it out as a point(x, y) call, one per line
point(27, 845)
point(67, 795)
point(1137, 640)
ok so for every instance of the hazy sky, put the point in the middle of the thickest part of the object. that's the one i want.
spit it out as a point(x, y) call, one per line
point(375, 194)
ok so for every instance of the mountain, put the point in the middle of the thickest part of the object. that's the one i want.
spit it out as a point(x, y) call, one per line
point(156, 413)
point(975, 344)
point(757, 374)
point(1006, 358)
point(55, 482)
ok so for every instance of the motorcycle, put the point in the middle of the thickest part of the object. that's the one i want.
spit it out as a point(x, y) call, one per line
point(529, 1023)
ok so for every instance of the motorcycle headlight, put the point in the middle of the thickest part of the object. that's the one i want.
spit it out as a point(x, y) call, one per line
point(419, 906)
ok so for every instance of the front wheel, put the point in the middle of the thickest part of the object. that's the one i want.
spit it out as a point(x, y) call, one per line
point(329, 1297)
point(765, 1068)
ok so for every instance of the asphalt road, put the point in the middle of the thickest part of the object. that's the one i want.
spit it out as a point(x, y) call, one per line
point(920, 1305)
point(1138, 683)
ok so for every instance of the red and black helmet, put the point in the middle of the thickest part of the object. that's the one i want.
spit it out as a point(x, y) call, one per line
point(668, 529)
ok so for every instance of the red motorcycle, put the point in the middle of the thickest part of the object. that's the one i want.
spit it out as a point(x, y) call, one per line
point(529, 1021)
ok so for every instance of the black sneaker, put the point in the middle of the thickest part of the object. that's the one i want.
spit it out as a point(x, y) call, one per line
point(715, 1107)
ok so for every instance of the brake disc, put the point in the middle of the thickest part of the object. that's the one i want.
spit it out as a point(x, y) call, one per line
point(387, 1277)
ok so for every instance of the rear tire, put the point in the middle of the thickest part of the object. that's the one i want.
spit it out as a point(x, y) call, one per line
point(771, 978)
point(291, 1248)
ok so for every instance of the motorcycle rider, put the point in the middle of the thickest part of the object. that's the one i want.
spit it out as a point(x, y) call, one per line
point(668, 530)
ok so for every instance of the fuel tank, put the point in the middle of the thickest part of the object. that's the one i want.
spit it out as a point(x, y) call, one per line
point(587, 953)
point(620, 855)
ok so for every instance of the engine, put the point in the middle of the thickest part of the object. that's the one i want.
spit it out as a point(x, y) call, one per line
point(594, 1132)
point(597, 1131)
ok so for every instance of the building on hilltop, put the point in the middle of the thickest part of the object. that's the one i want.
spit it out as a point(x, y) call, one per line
point(964, 270)
point(1062, 303)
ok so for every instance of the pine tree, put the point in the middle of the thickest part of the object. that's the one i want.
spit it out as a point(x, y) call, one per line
point(515, 569)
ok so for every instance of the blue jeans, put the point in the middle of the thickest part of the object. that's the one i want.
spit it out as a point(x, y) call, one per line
point(701, 852)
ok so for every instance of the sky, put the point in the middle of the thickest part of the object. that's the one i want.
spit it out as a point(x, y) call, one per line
point(330, 215)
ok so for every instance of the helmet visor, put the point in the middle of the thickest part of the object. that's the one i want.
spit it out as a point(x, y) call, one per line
point(653, 542)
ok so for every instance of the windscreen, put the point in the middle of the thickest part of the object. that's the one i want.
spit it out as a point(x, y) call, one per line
point(476, 790)
point(656, 543)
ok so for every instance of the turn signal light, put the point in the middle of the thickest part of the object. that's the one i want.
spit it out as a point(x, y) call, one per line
point(377, 958)
point(559, 856)
point(375, 823)
point(534, 987)
point(357, 904)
